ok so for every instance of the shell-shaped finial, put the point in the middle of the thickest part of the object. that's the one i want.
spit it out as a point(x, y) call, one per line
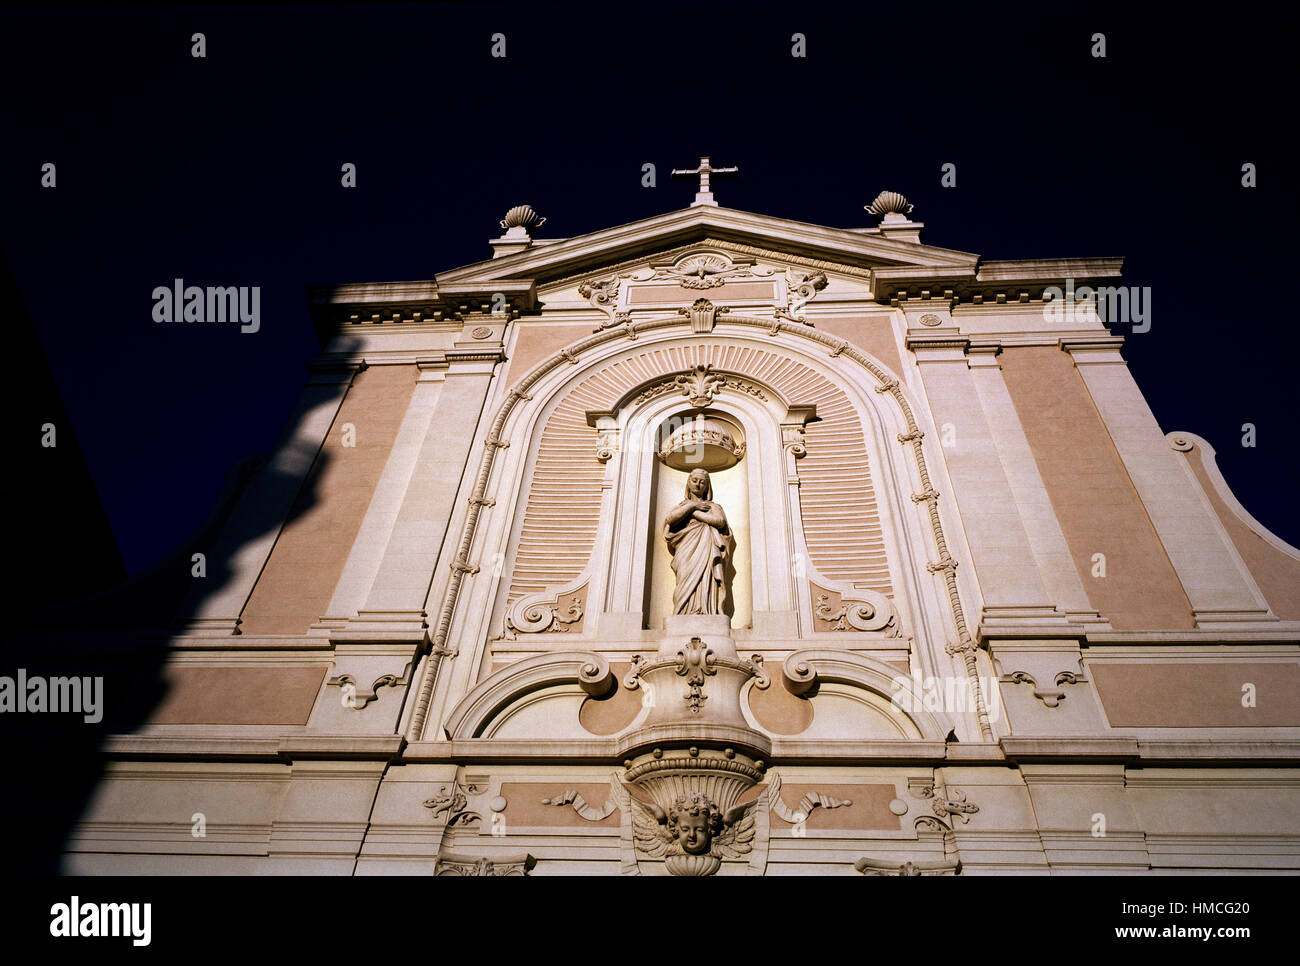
point(889, 203)
point(522, 216)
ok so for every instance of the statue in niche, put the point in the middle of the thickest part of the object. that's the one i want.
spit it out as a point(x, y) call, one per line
point(700, 542)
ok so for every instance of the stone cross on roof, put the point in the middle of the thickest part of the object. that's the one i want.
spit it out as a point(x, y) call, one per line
point(704, 196)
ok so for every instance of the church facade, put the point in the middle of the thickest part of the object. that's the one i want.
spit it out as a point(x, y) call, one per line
point(723, 544)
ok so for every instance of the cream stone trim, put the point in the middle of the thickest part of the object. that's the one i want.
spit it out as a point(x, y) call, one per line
point(478, 708)
point(809, 667)
point(1219, 589)
point(1179, 440)
point(888, 385)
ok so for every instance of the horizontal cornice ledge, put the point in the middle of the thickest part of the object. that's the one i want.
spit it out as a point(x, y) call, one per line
point(593, 751)
point(1084, 271)
point(998, 282)
point(1124, 750)
point(1068, 750)
point(184, 747)
point(794, 751)
point(341, 747)
point(335, 308)
point(1282, 632)
point(1222, 752)
point(1127, 750)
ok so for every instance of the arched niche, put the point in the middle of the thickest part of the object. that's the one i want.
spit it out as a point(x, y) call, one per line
point(638, 577)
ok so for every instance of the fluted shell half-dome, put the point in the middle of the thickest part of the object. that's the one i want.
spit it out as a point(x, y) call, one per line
point(889, 203)
point(522, 216)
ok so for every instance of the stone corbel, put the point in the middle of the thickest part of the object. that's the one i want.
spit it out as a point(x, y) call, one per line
point(1050, 698)
point(357, 698)
point(607, 433)
point(796, 420)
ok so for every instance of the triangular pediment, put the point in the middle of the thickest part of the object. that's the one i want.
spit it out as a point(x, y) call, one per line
point(889, 263)
point(864, 249)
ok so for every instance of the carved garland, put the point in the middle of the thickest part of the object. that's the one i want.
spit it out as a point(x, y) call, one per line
point(494, 442)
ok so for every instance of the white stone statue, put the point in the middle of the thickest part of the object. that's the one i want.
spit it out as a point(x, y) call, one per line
point(700, 542)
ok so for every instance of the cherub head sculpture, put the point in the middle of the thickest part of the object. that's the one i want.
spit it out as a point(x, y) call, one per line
point(693, 821)
point(693, 834)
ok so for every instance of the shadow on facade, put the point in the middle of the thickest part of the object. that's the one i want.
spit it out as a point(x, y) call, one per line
point(74, 614)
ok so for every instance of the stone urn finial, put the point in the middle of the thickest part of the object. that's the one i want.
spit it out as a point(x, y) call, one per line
point(891, 206)
point(522, 219)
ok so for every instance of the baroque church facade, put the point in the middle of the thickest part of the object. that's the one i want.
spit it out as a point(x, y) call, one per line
point(723, 544)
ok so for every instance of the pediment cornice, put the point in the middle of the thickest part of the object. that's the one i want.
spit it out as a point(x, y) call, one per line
point(585, 254)
point(900, 270)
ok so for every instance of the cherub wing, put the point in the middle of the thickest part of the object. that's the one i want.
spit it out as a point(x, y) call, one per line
point(737, 838)
point(648, 832)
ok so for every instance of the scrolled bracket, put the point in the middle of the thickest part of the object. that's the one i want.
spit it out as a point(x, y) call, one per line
point(595, 676)
point(800, 676)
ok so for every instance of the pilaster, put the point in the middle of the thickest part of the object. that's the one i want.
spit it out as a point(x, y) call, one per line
point(245, 542)
point(1212, 575)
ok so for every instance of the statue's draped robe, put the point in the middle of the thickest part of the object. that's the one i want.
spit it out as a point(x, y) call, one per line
point(699, 562)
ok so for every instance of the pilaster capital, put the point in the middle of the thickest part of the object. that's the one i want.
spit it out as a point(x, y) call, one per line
point(1093, 351)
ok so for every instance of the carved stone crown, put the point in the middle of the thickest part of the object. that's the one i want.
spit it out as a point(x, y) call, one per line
point(704, 444)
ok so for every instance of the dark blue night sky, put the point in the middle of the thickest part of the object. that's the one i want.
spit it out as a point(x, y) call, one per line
point(225, 171)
